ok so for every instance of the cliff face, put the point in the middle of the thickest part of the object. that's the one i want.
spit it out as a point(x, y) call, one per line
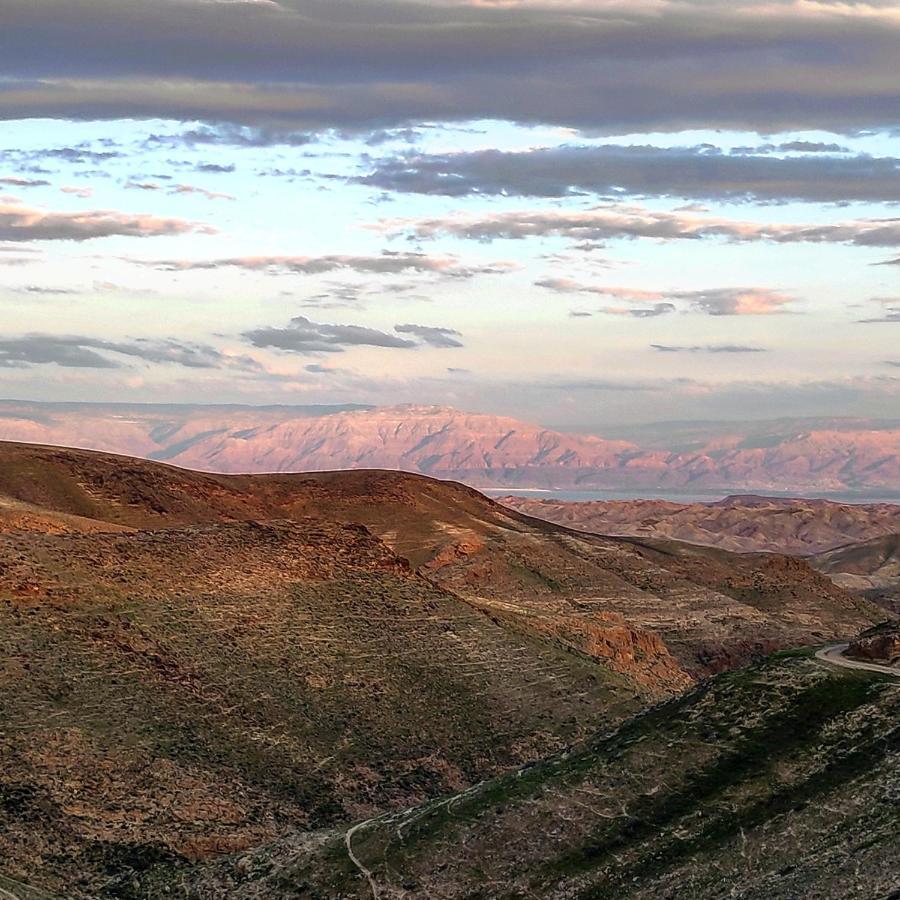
point(482, 450)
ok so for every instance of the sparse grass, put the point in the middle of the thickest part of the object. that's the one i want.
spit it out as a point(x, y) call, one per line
point(745, 760)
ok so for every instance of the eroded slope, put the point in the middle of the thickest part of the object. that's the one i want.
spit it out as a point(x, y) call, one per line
point(181, 693)
point(774, 782)
point(631, 604)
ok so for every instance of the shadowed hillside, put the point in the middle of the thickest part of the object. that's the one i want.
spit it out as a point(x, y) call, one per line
point(777, 781)
point(868, 568)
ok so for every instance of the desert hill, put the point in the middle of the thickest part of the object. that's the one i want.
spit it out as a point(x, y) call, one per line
point(743, 523)
point(481, 450)
point(197, 664)
point(180, 693)
point(869, 568)
point(772, 782)
point(610, 598)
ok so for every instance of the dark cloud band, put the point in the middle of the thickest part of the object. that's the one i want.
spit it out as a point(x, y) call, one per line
point(618, 67)
point(691, 172)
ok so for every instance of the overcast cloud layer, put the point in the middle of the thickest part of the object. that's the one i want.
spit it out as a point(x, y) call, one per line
point(611, 66)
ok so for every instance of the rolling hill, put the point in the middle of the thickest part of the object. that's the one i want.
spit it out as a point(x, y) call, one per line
point(197, 665)
point(710, 607)
point(742, 523)
point(869, 568)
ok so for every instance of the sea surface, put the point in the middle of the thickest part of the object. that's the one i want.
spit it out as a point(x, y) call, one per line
point(676, 497)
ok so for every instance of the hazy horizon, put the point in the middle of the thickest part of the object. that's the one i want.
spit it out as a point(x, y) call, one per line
point(610, 428)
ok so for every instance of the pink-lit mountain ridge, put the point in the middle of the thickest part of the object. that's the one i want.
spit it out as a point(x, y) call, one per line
point(482, 450)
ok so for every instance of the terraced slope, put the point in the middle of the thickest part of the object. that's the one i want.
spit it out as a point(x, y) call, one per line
point(775, 782)
point(181, 693)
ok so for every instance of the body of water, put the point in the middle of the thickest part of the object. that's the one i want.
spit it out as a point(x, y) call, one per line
point(677, 497)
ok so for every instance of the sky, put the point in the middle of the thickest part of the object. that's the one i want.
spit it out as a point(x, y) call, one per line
point(575, 212)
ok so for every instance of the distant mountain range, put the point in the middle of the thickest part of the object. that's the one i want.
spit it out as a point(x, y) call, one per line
point(487, 451)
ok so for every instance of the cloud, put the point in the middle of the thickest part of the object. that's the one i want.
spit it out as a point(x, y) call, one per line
point(192, 189)
point(891, 314)
point(175, 189)
point(730, 301)
point(707, 348)
point(338, 296)
point(810, 147)
point(616, 221)
point(229, 135)
point(618, 66)
point(305, 336)
point(600, 384)
point(215, 168)
point(645, 312)
point(436, 337)
point(736, 301)
point(689, 172)
point(571, 286)
point(40, 290)
point(22, 223)
point(83, 192)
point(74, 351)
point(13, 181)
point(142, 186)
point(319, 369)
point(388, 262)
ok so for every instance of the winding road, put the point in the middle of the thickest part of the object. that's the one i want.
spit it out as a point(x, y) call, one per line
point(834, 655)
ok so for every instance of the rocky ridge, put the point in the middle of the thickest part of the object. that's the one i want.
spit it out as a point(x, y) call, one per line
point(742, 523)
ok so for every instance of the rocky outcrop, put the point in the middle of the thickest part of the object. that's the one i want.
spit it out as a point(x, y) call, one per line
point(880, 644)
point(635, 653)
